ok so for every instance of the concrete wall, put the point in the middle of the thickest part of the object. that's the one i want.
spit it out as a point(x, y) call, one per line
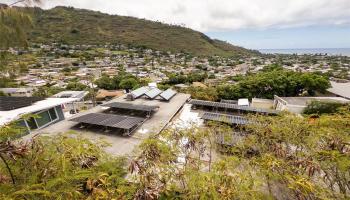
point(288, 107)
point(262, 103)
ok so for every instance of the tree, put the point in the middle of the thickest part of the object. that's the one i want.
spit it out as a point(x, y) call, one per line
point(322, 107)
point(275, 82)
point(105, 83)
point(128, 83)
point(62, 167)
point(47, 91)
point(208, 94)
point(76, 86)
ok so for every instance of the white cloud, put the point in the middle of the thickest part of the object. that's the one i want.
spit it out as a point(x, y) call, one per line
point(216, 15)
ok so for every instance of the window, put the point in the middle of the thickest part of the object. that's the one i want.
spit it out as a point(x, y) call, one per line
point(53, 114)
point(43, 119)
point(32, 124)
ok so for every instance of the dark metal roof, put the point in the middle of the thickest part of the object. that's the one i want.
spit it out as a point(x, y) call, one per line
point(168, 94)
point(129, 106)
point(12, 103)
point(139, 92)
point(153, 93)
point(230, 119)
point(231, 106)
point(109, 120)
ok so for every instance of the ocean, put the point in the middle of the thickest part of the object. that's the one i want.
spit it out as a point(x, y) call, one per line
point(329, 51)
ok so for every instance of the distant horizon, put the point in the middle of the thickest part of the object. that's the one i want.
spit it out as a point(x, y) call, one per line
point(302, 48)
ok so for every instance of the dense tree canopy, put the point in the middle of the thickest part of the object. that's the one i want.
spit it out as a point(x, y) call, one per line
point(121, 81)
point(190, 78)
point(76, 86)
point(276, 82)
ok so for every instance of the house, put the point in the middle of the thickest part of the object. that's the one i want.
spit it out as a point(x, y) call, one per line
point(181, 86)
point(298, 104)
point(106, 94)
point(80, 95)
point(48, 111)
point(340, 89)
point(18, 92)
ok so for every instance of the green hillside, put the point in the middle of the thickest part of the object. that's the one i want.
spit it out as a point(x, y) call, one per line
point(79, 26)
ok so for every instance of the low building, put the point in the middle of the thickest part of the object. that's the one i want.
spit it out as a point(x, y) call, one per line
point(340, 89)
point(103, 95)
point(80, 95)
point(48, 111)
point(18, 92)
point(298, 104)
point(243, 102)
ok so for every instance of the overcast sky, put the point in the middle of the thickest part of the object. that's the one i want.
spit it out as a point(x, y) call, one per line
point(249, 23)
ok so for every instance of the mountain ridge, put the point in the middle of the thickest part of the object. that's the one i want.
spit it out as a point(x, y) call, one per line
point(80, 26)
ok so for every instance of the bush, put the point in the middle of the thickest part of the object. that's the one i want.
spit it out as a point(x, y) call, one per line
point(322, 107)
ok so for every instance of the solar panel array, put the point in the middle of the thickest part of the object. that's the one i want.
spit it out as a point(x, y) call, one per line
point(139, 92)
point(109, 120)
point(12, 103)
point(168, 94)
point(129, 106)
point(229, 101)
point(153, 93)
point(230, 119)
point(231, 106)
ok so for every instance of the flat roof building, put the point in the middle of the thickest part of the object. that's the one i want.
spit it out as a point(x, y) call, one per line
point(48, 110)
point(298, 104)
point(340, 89)
point(18, 92)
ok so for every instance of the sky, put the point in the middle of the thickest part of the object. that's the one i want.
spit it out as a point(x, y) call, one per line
point(254, 24)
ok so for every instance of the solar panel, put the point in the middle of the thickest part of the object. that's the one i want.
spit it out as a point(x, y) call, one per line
point(129, 106)
point(153, 93)
point(229, 101)
point(109, 120)
point(168, 94)
point(139, 92)
point(231, 106)
point(12, 103)
point(65, 96)
point(230, 119)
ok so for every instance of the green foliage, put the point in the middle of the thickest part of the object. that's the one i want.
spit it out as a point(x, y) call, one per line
point(275, 82)
point(13, 27)
point(180, 79)
point(7, 82)
point(121, 81)
point(47, 91)
point(128, 83)
point(106, 83)
point(322, 107)
point(62, 167)
point(77, 26)
point(272, 67)
point(76, 86)
point(208, 94)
